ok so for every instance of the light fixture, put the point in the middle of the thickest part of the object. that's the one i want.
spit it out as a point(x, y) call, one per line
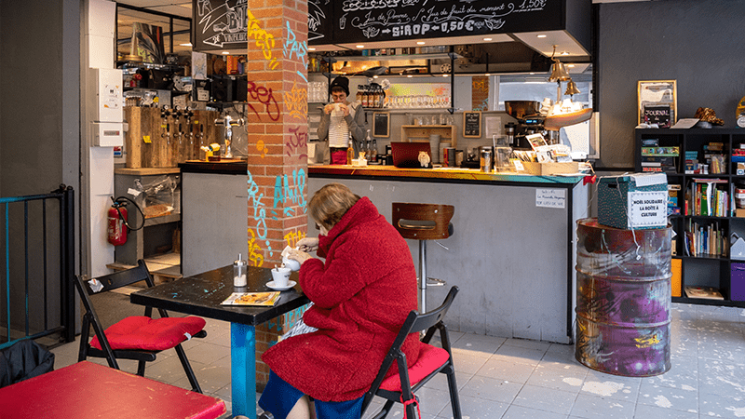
point(541, 36)
point(188, 44)
point(225, 53)
point(360, 46)
point(311, 48)
point(487, 74)
point(420, 43)
point(409, 76)
point(446, 75)
point(487, 39)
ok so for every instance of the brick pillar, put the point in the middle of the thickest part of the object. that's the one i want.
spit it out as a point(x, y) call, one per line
point(480, 93)
point(277, 123)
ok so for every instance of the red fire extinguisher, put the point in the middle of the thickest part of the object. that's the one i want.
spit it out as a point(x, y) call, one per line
point(117, 221)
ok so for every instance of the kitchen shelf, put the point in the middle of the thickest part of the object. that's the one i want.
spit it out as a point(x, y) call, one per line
point(422, 132)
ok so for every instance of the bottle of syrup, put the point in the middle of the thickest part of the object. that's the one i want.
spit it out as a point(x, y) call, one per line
point(350, 153)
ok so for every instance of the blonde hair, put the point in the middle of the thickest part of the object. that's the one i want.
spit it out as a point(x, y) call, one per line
point(330, 203)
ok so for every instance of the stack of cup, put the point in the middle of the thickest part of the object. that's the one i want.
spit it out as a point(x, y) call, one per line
point(434, 146)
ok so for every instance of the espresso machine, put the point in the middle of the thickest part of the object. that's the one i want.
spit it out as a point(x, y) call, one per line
point(529, 121)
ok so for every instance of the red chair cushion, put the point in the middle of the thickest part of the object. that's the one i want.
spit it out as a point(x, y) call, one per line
point(430, 359)
point(142, 332)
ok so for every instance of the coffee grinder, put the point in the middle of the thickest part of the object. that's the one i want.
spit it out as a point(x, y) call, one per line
point(529, 118)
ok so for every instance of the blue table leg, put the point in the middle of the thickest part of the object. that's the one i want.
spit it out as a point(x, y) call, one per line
point(243, 369)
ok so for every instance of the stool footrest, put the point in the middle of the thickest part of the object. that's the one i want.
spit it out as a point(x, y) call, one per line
point(435, 282)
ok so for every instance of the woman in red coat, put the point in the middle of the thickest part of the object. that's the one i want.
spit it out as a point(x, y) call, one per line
point(361, 294)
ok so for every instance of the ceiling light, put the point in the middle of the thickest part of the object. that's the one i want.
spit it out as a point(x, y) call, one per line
point(409, 76)
point(360, 46)
point(446, 75)
point(570, 65)
point(541, 36)
point(487, 74)
point(375, 76)
point(188, 44)
point(225, 53)
point(420, 43)
point(311, 48)
point(487, 39)
point(564, 53)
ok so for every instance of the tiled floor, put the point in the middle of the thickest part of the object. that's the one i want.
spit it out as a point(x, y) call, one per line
point(511, 378)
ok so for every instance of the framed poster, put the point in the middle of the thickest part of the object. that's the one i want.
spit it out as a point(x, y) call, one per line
point(472, 124)
point(381, 124)
point(658, 102)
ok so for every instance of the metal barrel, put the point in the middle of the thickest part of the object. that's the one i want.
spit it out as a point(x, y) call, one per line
point(623, 299)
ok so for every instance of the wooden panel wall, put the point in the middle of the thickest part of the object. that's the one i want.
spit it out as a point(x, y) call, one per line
point(151, 143)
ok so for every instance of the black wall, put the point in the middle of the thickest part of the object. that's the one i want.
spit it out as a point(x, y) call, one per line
point(699, 43)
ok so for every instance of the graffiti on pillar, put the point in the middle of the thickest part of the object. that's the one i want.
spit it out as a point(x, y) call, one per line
point(259, 215)
point(480, 93)
point(296, 102)
point(284, 192)
point(255, 258)
point(297, 143)
point(265, 96)
point(297, 49)
point(262, 148)
point(264, 40)
point(293, 237)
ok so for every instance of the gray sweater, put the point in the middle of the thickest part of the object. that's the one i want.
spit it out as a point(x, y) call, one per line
point(356, 130)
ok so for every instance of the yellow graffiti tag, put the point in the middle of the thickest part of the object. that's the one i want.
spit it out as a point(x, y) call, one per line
point(296, 102)
point(255, 259)
point(293, 237)
point(264, 39)
point(261, 147)
point(646, 341)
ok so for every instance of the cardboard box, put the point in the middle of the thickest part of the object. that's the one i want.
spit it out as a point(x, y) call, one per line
point(740, 212)
point(676, 282)
point(637, 201)
point(548, 169)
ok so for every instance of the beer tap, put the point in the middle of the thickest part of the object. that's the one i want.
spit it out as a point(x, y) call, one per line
point(190, 130)
point(229, 123)
point(165, 113)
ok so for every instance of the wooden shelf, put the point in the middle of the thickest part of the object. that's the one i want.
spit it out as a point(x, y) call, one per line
point(410, 133)
point(147, 171)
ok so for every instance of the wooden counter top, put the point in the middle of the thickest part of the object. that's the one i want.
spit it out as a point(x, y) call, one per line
point(459, 175)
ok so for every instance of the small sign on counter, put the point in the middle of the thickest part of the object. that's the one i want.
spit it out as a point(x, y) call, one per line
point(550, 198)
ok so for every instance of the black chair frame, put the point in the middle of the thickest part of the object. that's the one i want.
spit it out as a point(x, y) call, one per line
point(90, 318)
point(430, 322)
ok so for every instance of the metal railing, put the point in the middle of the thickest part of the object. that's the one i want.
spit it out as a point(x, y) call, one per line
point(37, 266)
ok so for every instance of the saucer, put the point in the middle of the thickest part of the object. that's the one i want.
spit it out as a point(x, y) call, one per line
point(275, 287)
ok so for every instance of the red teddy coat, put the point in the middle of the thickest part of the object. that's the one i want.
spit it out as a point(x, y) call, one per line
point(361, 296)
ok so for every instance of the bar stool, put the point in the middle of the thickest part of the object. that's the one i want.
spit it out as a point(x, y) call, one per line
point(423, 222)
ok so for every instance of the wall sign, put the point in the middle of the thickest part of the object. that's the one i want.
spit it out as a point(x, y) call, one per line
point(384, 20)
point(472, 124)
point(550, 198)
point(647, 209)
point(381, 124)
point(220, 24)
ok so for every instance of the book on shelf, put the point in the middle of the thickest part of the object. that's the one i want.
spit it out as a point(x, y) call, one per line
point(661, 151)
point(252, 299)
point(709, 293)
point(703, 240)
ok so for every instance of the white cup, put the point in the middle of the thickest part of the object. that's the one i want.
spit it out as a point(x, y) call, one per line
point(281, 276)
point(291, 263)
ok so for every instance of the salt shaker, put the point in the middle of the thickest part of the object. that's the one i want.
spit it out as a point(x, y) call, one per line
point(239, 272)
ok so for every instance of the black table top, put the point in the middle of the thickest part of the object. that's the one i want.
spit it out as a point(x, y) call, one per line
point(202, 294)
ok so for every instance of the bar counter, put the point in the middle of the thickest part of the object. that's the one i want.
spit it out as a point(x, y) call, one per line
point(513, 249)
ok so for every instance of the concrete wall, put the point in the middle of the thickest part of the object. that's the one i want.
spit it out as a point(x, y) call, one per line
point(696, 42)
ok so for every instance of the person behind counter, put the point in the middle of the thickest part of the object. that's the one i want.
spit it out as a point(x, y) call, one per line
point(338, 125)
point(361, 296)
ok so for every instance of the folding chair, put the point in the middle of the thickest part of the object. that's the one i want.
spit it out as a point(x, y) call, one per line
point(139, 338)
point(400, 387)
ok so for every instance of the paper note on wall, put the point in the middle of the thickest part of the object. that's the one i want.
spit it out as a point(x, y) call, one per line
point(550, 198)
point(647, 209)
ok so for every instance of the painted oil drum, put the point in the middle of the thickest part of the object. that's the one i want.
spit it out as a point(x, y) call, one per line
point(623, 299)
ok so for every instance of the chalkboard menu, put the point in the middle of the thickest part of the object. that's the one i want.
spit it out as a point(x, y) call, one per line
point(381, 124)
point(472, 124)
point(219, 24)
point(384, 20)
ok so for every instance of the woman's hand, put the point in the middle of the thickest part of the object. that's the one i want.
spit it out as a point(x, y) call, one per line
point(299, 256)
point(308, 244)
point(328, 108)
point(344, 108)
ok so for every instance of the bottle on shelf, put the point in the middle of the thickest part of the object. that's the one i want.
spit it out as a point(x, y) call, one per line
point(374, 150)
point(359, 94)
point(376, 97)
point(365, 97)
point(350, 153)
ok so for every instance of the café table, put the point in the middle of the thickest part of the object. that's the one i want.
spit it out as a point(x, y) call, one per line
point(202, 295)
point(85, 390)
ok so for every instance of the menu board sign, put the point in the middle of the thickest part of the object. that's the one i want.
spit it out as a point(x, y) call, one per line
point(384, 20)
point(220, 24)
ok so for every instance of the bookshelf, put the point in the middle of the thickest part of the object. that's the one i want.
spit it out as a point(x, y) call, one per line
point(702, 164)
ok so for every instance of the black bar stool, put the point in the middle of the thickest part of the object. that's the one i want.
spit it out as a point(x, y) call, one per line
point(423, 222)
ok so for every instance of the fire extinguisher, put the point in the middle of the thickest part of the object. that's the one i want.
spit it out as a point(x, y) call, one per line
point(117, 221)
